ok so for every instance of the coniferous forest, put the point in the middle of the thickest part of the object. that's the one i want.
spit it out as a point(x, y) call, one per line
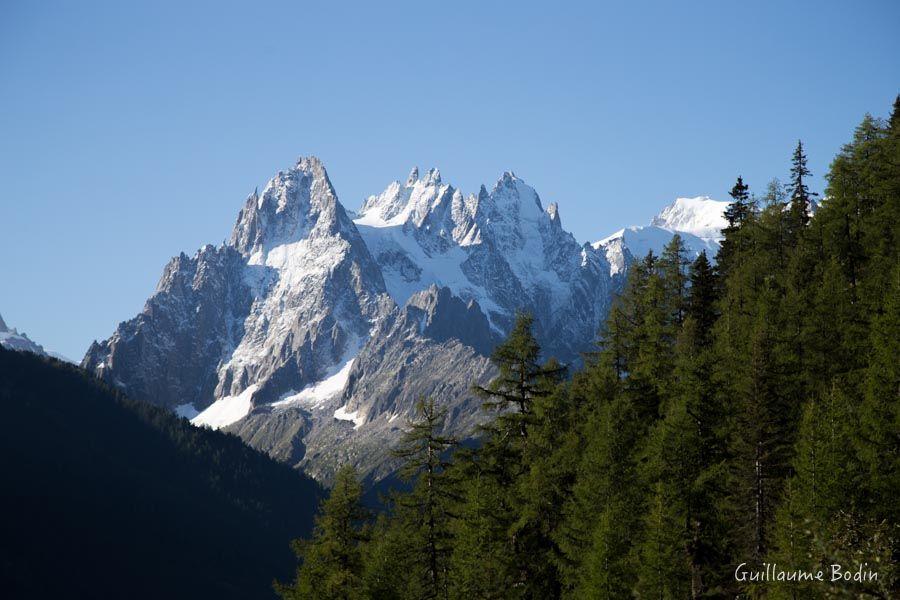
point(106, 497)
point(742, 409)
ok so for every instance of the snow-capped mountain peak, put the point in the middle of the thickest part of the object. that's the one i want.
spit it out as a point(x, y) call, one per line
point(294, 204)
point(12, 339)
point(701, 216)
point(413, 177)
point(412, 202)
point(698, 221)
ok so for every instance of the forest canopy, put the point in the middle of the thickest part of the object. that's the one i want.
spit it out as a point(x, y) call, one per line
point(742, 409)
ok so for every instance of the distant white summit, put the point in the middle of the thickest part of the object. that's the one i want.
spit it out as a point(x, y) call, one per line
point(698, 221)
point(11, 339)
point(701, 216)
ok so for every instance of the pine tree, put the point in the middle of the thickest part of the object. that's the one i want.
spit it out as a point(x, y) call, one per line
point(331, 567)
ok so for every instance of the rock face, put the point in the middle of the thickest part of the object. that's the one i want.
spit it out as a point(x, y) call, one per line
point(317, 291)
point(169, 353)
point(436, 345)
point(311, 335)
point(500, 248)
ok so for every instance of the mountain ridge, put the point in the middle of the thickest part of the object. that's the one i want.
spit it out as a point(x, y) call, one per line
point(297, 312)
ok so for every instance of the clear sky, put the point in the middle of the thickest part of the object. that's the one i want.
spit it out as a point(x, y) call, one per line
point(129, 134)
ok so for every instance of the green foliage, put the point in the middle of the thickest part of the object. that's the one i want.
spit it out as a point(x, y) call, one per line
point(332, 561)
point(742, 413)
point(424, 513)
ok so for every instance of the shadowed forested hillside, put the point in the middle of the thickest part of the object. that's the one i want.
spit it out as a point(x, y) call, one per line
point(105, 497)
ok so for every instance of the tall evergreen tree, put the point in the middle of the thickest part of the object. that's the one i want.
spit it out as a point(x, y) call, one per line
point(674, 270)
point(520, 379)
point(424, 514)
point(761, 440)
point(701, 305)
point(738, 214)
point(683, 464)
point(505, 466)
point(331, 567)
point(801, 198)
point(879, 432)
point(603, 515)
point(822, 487)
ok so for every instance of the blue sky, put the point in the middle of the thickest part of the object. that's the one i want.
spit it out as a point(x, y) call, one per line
point(129, 134)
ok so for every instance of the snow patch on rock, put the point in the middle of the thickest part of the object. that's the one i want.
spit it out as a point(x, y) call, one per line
point(227, 410)
point(342, 414)
point(317, 394)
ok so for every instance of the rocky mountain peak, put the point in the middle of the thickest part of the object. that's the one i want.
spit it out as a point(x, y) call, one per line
point(294, 204)
point(553, 213)
point(344, 320)
point(419, 202)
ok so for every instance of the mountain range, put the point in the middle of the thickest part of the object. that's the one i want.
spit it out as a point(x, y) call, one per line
point(314, 329)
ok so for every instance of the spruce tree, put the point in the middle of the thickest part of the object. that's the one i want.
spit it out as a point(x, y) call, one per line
point(651, 337)
point(801, 198)
point(761, 437)
point(701, 304)
point(738, 214)
point(683, 464)
point(674, 269)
